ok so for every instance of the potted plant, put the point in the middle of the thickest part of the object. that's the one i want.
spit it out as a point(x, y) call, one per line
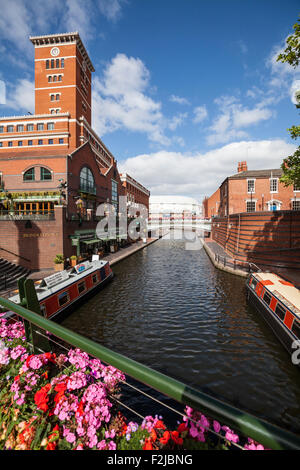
point(73, 260)
point(59, 262)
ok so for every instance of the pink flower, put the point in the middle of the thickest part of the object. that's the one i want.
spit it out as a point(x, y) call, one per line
point(71, 437)
point(216, 426)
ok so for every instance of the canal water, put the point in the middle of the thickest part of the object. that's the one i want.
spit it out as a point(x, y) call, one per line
point(172, 310)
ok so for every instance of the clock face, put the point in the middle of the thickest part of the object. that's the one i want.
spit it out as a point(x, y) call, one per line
point(54, 51)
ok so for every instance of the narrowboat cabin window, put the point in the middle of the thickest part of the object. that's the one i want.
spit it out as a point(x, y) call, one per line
point(95, 278)
point(280, 311)
point(254, 283)
point(81, 287)
point(296, 328)
point(63, 298)
point(43, 310)
point(267, 298)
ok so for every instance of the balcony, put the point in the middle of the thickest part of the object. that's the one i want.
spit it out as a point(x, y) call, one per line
point(27, 215)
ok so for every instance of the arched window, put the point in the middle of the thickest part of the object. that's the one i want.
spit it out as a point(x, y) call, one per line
point(87, 182)
point(29, 175)
point(45, 174)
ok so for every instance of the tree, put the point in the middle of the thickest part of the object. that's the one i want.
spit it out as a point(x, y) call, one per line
point(291, 164)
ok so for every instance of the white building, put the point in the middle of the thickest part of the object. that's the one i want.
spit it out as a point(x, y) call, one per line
point(168, 206)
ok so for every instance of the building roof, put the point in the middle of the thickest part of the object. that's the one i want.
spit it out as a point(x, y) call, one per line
point(276, 173)
point(64, 38)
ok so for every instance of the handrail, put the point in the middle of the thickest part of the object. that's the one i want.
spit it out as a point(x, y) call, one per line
point(267, 434)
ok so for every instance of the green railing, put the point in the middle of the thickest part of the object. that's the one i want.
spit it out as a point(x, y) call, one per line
point(269, 435)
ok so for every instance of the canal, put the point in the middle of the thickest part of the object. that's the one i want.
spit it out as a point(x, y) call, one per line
point(172, 310)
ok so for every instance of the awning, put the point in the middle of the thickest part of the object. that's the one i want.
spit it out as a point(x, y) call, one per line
point(91, 242)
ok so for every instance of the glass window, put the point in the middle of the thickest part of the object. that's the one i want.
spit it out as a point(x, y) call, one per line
point(1, 144)
point(250, 206)
point(29, 142)
point(81, 287)
point(57, 97)
point(254, 283)
point(20, 128)
point(114, 194)
point(87, 182)
point(40, 127)
point(251, 186)
point(47, 63)
point(50, 126)
point(296, 205)
point(296, 328)
point(50, 78)
point(267, 298)
point(52, 97)
point(57, 63)
point(1, 129)
point(52, 63)
point(10, 128)
point(59, 78)
point(95, 278)
point(62, 63)
point(45, 174)
point(280, 311)
point(50, 141)
point(55, 78)
point(61, 141)
point(273, 185)
point(30, 127)
point(63, 298)
point(40, 142)
point(20, 143)
point(29, 175)
point(10, 144)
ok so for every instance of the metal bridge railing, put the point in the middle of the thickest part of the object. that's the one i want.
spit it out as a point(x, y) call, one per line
point(260, 430)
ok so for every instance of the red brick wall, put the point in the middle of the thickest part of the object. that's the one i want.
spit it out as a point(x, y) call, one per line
point(267, 238)
point(211, 205)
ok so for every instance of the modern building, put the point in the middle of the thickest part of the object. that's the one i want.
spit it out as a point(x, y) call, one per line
point(54, 169)
point(176, 207)
point(251, 191)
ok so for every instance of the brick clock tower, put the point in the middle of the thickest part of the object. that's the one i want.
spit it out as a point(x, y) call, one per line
point(63, 75)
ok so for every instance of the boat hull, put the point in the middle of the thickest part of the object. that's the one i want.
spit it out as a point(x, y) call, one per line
point(280, 330)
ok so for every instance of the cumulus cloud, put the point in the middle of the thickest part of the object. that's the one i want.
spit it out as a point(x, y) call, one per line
point(179, 100)
point(21, 96)
point(200, 174)
point(121, 101)
point(200, 113)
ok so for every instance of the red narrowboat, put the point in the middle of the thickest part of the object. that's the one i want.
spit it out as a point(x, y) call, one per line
point(61, 291)
point(278, 301)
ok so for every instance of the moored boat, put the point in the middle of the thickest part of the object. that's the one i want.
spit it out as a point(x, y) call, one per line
point(279, 303)
point(61, 291)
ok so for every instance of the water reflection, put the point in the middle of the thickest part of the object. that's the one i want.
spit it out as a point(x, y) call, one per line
point(170, 309)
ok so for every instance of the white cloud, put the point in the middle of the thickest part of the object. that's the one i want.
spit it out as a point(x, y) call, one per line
point(120, 101)
point(199, 174)
point(179, 100)
point(110, 8)
point(21, 96)
point(242, 46)
point(247, 117)
point(200, 113)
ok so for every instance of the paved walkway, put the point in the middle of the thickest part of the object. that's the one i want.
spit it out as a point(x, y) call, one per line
point(123, 253)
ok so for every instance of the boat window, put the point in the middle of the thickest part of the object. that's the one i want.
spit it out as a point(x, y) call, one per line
point(43, 310)
point(63, 298)
point(280, 311)
point(254, 283)
point(81, 287)
point(267, 298)
point(95, 278)
point(296, 327)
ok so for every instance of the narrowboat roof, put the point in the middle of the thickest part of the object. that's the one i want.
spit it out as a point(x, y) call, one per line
point(62, 279)
point(285, 291)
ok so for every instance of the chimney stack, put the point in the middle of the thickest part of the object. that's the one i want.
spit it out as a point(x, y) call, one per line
point(242, 166)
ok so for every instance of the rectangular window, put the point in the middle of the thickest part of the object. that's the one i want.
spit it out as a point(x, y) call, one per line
point(62, 63)
point(52, 63)
point(40, 127)
point(81, 287)
point(274, 185)
point(296, 328)
point(59, 78)
point(1, 129)
point(55, 78)
point(296, 205)
point(114, 194)
point(61, 141)
point(29, 142)
point(251, 186)
point(250, 206)
point(280, 311)
point(50, 126)
point(57, 97)
point(10, 144)
point(57, 63)
point(50, 78)
point(254, 283)
point(30, 127)
point(95, 278)
point(47, 63)
point(20, 128)
point(10, 128)
point(40, 142)
point(52, 97)
point(20, 143)
point(45, 174)
point(50, 141)
point(63, 298)
point(1, 144)
point(267, 298)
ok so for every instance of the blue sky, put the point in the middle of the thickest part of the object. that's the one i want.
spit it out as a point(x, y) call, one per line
point(183, 89)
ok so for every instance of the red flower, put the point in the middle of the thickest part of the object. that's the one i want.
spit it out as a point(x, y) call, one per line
point(148, 445)
point(50, 357)
point(153, 435)
point(160, 425)
point(51, 446)
point(165, 438)
point(182, 428)
point(28, 359)
point(41, 399)
point(60, 389)
point(176, 438)
point(80, 409)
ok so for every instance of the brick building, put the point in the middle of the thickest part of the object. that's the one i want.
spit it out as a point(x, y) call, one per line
point(252, 191)
point(54, 169)
point(135, 192)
